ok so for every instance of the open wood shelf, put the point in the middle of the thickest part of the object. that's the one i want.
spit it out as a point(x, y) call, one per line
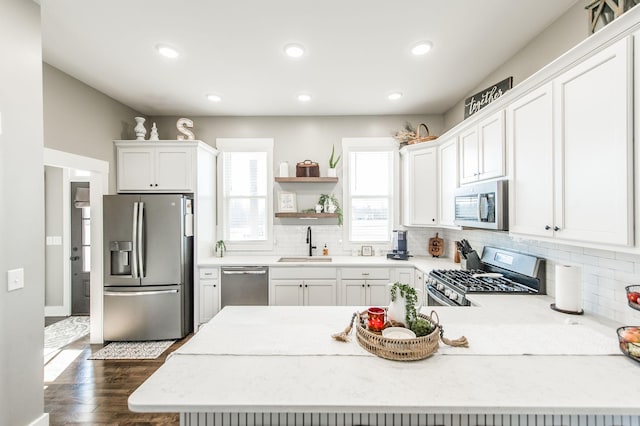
point(307, 215)
point(307, 179)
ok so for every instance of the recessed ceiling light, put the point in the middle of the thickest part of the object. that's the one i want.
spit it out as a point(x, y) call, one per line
point(167, 52)
point(304, 97)
point(294, 50)
point(214, 98)
point(421, 48)
point(394, 96)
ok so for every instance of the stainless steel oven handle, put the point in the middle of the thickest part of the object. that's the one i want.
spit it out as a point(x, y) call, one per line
point(438, 297)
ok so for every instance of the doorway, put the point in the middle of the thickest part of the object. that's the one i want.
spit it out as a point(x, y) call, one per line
point(80, 227)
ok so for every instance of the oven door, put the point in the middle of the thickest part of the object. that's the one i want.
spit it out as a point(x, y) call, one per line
point(436, 298)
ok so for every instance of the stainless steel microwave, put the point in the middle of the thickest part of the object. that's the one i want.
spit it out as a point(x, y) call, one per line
point(482, 205)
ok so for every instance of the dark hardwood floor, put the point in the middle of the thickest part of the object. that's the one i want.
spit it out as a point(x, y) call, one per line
point(92, 392)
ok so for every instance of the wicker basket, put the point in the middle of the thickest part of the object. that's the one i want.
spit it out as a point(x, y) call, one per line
point(419, 138)
point(401, 349)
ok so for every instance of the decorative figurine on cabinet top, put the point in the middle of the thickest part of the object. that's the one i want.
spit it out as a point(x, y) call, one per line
point(154, 133)
point(139, 128)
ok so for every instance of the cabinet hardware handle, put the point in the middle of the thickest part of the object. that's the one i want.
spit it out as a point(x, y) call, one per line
point(555, 228)
point(365, 273)
point(150, 184)
point(306, 285)
point(547, 227)
point(156, 184)
point(362, 285)
point(368, 285)
point(300, 285)
point(214, 286)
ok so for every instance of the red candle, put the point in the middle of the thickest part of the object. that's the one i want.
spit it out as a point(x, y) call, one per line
point(376, 319)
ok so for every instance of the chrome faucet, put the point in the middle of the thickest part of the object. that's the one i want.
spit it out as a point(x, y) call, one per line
point(311, 246)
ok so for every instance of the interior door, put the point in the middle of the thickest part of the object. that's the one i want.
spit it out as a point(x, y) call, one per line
point(80, 251)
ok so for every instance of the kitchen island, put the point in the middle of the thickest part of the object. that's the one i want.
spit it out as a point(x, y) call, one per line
point(526, 364)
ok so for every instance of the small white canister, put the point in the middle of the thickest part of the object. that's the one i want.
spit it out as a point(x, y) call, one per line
point(284, 169)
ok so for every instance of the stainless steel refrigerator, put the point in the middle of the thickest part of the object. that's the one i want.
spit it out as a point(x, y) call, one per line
point(148, 264)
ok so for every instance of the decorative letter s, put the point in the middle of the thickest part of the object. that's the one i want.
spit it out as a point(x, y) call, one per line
point(182, 125)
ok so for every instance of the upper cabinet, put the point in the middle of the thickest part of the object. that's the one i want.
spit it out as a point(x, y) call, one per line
point(420, 185)
point(482, 150)
point(156, 166)
point(571, 153)
point(448, 177)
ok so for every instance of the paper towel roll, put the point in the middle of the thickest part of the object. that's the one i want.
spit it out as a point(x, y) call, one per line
point(569, 288)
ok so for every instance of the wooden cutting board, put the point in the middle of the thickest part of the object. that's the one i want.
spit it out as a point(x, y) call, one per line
point(436, 246)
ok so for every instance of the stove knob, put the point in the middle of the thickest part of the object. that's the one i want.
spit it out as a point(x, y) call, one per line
point(440, 286)
point(447, 293)
point(453, 296)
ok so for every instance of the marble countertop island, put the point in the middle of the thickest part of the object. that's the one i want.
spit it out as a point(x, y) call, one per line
point(523, 360)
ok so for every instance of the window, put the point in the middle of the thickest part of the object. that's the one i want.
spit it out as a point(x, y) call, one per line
point(371, 183)
point(245, 201)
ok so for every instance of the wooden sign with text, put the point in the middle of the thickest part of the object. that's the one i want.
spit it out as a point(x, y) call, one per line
point(481, 99)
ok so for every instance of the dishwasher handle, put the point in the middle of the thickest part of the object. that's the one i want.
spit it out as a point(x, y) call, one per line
point(243, 272)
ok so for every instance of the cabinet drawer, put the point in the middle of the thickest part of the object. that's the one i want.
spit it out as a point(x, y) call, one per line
point(365, 273)
point(208, 273)
point(303, 273)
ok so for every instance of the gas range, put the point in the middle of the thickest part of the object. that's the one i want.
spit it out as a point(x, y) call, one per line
point(503, 271)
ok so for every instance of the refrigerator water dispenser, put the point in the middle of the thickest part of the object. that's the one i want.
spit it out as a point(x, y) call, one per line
point(121, 257)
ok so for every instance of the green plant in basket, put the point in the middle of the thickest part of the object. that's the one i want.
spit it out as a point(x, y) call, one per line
point(421, 327)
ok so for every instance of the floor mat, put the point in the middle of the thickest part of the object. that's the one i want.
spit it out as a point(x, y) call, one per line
point(64, 332)
point(132, 350)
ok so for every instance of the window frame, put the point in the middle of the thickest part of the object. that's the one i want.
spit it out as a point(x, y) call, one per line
point(245, 145)
point(370, 144)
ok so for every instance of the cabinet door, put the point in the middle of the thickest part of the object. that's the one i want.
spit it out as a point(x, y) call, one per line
point(354, 292)
point(404, 275)
point(530, 139)
point(135, 169)
point(421, 188)
point(469, 155)
point(286, 292)
point(448, 170)
point(378, 293)
point(174, 169)
point(319, 292)
point(209, 299)
point(593, 102)
point(491, 146)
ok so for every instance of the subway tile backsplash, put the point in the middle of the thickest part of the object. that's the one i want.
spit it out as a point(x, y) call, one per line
point(605, 274)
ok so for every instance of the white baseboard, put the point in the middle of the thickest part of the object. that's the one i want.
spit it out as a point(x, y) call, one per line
point(43, 420)
point(55, 311)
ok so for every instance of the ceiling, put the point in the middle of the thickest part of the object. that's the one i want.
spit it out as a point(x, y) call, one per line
point(357, 52)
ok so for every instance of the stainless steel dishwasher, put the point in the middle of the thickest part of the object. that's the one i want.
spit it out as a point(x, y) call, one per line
point(244, 285)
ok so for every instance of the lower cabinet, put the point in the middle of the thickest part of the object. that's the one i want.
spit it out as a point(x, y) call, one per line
point(302, 286)
point(209, 294)
point(365, 292)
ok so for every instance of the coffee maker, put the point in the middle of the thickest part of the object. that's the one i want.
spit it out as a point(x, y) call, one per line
point(399, 246)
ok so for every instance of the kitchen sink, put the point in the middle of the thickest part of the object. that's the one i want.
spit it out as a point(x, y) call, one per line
point(305, 259)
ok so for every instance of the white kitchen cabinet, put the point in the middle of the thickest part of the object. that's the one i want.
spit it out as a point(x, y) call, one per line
point(448, 182)
point(365, 286)
point(593, 107)
point(531, 148)
point(302, 286)
point(161, 166)
point(209, 294)
point(420, 185)
point(570, 149)
point(482, 150)
point(404, 275)
point(418, 284)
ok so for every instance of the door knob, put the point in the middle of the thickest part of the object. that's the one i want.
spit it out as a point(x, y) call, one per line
point(75, 257)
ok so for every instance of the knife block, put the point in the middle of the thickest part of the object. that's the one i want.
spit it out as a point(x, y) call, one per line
point(471, 262)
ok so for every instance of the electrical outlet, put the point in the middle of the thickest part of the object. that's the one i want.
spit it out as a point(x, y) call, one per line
point(15, 279)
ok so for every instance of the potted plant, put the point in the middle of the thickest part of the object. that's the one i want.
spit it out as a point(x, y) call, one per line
point(333, 162)
point(330, 204)
point(220, 248)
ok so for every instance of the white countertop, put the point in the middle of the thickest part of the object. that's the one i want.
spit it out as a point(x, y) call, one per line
point(423, 263)
point(523, 358)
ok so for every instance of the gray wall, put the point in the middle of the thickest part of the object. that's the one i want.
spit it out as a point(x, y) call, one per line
point(81, 120)
point(54, 290)
point(21, 213)
point(296, 138)
point(559, 37)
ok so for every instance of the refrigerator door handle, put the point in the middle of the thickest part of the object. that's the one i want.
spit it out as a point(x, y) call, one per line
point(134, 238)
point(141, 239)
point(138, 293)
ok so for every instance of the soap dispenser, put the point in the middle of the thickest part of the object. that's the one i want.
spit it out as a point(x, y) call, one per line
point(325, 251)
